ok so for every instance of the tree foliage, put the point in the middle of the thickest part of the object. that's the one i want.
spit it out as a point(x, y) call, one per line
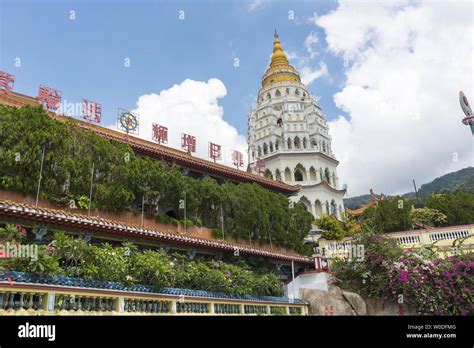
point(388, 215)
point(458, 207)
point(428, 217)
point(122, 180)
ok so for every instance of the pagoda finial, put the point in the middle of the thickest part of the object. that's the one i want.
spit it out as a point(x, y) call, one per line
point(276, 34)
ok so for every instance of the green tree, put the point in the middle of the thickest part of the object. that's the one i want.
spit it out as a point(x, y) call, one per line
point(389, 215)
point(458, 207)
point(428, 217)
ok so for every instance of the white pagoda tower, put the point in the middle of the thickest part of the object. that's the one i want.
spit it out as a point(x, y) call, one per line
point(289, 141)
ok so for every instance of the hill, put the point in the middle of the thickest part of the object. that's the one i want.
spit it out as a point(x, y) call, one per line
point(461, 180)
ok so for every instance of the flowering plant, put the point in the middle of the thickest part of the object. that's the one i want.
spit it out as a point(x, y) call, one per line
point(418, 278)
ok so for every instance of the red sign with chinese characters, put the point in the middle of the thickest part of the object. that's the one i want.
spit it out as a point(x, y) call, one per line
point(49, 97)
point(237, 159)
point(159, 134)
point(188, 143)
point(6, 82)
point(214, 151)
point(91, 111)
point(260, 166)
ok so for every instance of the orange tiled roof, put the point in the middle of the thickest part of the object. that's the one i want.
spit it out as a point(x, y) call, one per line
point(65, 218)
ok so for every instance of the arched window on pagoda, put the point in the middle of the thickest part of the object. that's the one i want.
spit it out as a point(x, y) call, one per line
point(327, 175)
point(269, 96)
point(327, 207)
point(297, 143)
point(271, 147)
point(259, 151)
point(300, 173)
point(287, 91)
point(288, 143)
point(297, 92)
point(333, 208)
point(277, 93)
point(277, 145)
point(279, 122)
point(287, 174)
point(278, 174)
point(304, 143)
point(265, 148)
point(318, 207)
point(306, 203)
point(268, 174)
point(312, 174)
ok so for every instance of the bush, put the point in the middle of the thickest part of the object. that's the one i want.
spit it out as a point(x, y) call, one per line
point(429, 285)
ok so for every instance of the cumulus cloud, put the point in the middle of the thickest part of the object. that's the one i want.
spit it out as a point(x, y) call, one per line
point(191, 107)
point(406, 64)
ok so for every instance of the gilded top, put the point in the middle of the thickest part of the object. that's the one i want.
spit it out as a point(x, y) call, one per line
point(280, 69)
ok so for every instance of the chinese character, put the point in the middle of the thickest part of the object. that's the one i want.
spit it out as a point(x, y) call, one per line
point(91, 111)
point(160, 134)
point(214, 151)
point(6, 82)
point(188, 143)
point(260, 166)
point(237, 159)
point(50, 98)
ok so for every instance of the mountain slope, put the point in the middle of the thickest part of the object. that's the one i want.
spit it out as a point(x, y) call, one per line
point(461, 180)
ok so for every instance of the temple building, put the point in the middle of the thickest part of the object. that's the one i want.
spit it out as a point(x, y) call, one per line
point(289, 140)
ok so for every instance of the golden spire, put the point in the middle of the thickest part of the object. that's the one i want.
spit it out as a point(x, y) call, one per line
point(280, 69)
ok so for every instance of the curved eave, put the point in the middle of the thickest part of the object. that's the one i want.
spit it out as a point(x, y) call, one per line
point(298, 153)
point(325, 184)
point(65, 218)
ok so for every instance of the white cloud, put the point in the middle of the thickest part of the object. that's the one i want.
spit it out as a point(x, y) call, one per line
point(309, 74)
point(408, 62)
point(310, 42)
point(191, 107)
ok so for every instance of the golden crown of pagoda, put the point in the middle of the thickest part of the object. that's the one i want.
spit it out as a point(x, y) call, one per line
point(280, 70)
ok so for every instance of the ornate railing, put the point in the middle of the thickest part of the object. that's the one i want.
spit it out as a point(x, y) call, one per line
point(31, 294)
point(442, 238)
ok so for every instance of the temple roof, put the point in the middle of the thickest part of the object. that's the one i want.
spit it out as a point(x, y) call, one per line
point(65, 218)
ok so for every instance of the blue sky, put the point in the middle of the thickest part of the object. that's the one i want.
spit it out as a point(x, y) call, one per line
point(85, 57)
point(398, 93)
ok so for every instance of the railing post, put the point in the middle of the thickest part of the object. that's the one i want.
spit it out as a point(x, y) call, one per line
point(120, 304)
point(173, 307)
point(49, 303)
point(211, 308)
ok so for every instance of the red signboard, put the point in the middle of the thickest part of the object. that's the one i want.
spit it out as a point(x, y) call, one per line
point(321, 264)
point(214, 151)
point(188, 143)
point(49, 97)
point(159, 134)
point(91, 111)
point(237, 159)
point(260, 166)
point(6, 82)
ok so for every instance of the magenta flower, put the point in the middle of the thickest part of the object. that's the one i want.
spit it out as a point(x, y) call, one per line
point(403, 277)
